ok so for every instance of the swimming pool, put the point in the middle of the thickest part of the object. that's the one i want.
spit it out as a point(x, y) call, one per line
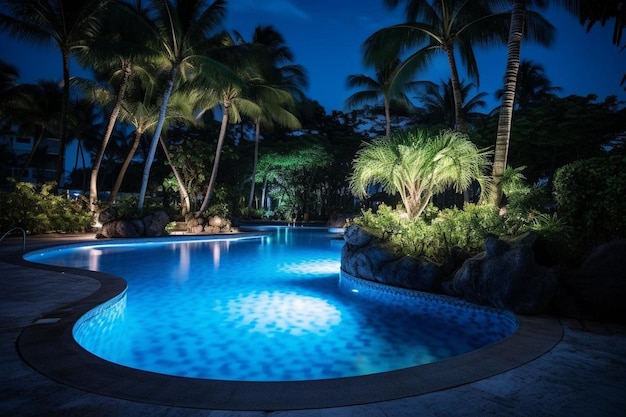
point(264, 308)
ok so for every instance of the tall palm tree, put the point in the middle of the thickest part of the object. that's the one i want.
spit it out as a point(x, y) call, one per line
point(234, 103)
point(184, 31)
point(438, 101)
point(115, 54)
point(449, 26)
point(276, 92)
point(418, 166)
point(383, 87)
point(139, 109)
point(532, 86)
point(524, 24)
point(68, 24)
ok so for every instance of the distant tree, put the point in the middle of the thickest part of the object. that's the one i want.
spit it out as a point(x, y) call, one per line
point(558, 131)
point(438, 101)
point(532, 86)
point(294, 175)
point(384, 87)
point(34, 109)
point(276, 91)
point(8, 80)
point(68, 24)
point(435, 26)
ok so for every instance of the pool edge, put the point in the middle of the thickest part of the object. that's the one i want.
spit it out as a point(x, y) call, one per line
point(48, 346)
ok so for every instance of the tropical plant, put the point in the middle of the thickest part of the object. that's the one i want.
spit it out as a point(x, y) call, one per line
point(37, 209)
point(276, 91)
point(294, 176)
point(448, 26)
point(114, 54)
point(66, 23)
point(232, 104)
point(183, 32)
point(417, 165)
point(383, 87)
point(434, 238)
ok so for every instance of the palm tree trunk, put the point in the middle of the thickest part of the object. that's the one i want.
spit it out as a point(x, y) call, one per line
point(216, 161)
point(263, 192)
point(93, 184)
point(124, 167)
point(184, 196)
point(387, 117)
point(460, 125)
point(257, 132)
point(64, 110)
point(505, 118)
point(32, 153)
point(157, 134)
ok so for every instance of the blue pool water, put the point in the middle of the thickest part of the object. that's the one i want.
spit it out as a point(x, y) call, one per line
point(264, 308)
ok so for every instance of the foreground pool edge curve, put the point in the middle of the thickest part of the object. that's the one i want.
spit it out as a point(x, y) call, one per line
point(48, 346)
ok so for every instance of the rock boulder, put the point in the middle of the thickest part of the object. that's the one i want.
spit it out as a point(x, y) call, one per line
point(506, 276)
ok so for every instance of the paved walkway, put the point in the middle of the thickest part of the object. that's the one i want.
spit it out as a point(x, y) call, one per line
point(583, 375)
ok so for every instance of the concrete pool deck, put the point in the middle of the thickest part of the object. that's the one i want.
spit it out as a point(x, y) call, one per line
point(554, 368)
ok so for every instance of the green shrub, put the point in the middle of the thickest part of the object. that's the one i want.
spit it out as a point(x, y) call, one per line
point(591, 197)
point(37, 209)
point(434, 239)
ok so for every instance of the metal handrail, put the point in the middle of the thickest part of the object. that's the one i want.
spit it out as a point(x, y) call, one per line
point(23, 236)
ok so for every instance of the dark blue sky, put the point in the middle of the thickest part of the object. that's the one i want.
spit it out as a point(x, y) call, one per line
point(326, 37)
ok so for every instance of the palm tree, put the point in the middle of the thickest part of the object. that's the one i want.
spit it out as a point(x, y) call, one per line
point(115, 55)
point(183, 33)
point(276, 91)
point(524, 23)
point(417, 166)
point(532, 86)
point(68, 24)
point(448, 26)
point(233, 105)
point(438, 101)
point(139, 109)
point(8, 79)
point(383, 86)
point(35, 109)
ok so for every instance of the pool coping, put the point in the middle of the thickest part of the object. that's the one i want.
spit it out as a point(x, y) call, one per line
point(48, 346)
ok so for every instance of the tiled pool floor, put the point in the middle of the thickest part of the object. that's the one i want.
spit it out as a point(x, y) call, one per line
point(582, 375)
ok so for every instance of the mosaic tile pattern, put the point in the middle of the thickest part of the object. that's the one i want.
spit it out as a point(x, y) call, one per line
point(266, 309)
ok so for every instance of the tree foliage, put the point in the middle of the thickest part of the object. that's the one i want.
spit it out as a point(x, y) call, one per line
point(416, 165)
point(590, 197)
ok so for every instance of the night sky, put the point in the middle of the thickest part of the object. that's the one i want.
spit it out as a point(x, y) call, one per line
point(326, 38)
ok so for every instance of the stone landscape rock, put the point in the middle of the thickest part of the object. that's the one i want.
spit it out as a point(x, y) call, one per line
point(151, 226)
point(107, 215)
point(506, 276)
point(155, 224)
point(599, 284)
point(119, 228)
point(356, 236)
point(368, 258)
